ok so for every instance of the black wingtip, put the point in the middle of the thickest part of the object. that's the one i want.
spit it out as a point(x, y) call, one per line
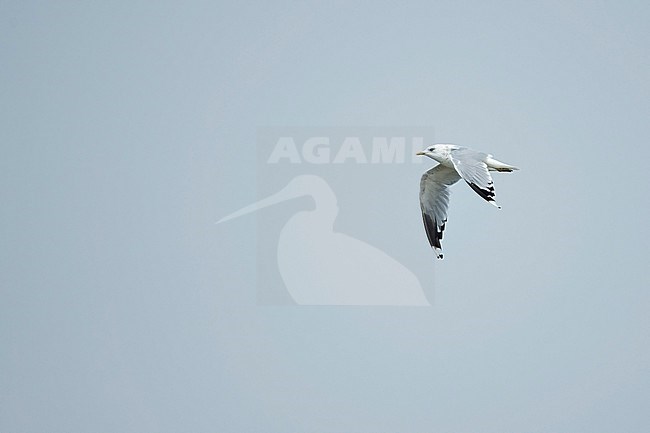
point(486, 194)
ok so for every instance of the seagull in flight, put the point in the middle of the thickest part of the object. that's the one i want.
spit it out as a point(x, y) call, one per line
point(455, 163)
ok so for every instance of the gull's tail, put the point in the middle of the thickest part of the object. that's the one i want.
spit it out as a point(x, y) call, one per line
point(495, 165)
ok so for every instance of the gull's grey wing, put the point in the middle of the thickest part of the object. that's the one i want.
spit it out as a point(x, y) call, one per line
point(434, 201)
point(472, 168)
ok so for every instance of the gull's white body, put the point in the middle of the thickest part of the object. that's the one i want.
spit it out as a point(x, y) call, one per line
point(456, 163)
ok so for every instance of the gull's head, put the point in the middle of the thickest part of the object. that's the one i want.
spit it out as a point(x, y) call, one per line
point(433, 152)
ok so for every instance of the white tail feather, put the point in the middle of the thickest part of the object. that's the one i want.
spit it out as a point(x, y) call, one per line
point(496, 165)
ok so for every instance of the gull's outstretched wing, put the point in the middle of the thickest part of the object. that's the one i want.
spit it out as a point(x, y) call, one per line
point(472, 168)
point(434, 201)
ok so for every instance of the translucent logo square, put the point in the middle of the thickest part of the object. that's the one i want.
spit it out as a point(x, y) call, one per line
point(338, 219)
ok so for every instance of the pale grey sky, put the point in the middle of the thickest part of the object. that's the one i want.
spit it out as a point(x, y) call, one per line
point(127, 129)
